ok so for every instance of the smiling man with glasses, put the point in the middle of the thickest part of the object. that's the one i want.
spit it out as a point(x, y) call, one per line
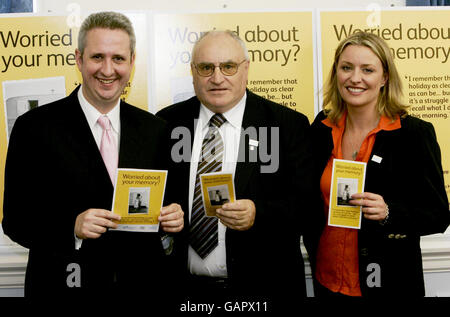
point(252, 247)
point(220, 90)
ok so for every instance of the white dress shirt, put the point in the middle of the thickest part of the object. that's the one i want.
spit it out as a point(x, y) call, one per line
point(92, 115)
point(215, 263)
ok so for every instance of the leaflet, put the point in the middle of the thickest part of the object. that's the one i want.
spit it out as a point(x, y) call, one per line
point(217, 189)
point(138, 199)
point(347, 178)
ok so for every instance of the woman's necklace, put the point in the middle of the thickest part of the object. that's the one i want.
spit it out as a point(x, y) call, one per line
point(350, 139)
point(351, 146)
point(354, 155)
point(354, 148)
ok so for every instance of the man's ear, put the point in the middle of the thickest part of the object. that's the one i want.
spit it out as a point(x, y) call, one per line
point(78, 58)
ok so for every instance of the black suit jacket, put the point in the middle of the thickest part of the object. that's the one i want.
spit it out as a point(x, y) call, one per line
point(266, 259)
point(54, 172)
point(410, 179)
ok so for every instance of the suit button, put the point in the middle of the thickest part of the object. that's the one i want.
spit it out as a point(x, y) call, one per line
point(364, 252)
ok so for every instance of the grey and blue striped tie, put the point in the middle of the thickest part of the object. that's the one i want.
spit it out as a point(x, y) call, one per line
point(203, 232)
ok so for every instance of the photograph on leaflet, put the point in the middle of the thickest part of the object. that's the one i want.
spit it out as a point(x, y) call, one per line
point(139, 200)
point(218, 195)
point(346, 187)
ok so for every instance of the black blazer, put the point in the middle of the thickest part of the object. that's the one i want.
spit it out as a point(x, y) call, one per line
point(54, 172)
point(266, 259)
point(410, 179)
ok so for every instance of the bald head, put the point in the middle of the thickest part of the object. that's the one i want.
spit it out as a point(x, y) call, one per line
point(219, 34)
point(220, 92)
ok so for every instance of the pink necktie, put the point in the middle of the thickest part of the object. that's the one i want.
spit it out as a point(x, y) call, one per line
point(108, 147)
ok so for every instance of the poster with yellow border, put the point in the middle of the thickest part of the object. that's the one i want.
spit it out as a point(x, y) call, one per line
point(37, 66)
point(217, 189)
point(347, 178)
point(281, 49)
point(138, 199)
point(419, 42)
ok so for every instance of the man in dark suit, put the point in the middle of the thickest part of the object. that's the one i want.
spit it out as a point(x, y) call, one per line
point(58, 181)
point(257, 248)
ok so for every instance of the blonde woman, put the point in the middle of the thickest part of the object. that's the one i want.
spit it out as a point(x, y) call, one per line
point(364, 120)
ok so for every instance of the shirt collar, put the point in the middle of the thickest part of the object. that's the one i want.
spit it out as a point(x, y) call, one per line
point(234, 116)
point(385, 123)
point(92, 114)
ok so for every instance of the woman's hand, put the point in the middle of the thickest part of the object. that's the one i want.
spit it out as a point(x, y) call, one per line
point(373, 205)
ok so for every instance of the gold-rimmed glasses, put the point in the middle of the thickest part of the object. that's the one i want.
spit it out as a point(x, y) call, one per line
point(226, 68)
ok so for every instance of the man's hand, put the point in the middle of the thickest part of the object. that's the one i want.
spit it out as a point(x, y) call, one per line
point(171, 218)
point(92, 223)
point(238, 215)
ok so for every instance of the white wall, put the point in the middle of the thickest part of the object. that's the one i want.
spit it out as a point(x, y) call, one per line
point(59, 6)
point(13, 260)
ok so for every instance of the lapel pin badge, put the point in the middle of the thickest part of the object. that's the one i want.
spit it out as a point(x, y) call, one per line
point(253, 144)
point(376, 158)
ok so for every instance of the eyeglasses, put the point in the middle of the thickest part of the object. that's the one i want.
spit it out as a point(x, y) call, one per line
point(227, 68)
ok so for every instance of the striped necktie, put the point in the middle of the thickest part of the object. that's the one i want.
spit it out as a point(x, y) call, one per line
point(203, 233)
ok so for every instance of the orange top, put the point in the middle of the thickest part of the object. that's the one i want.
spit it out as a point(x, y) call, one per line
point(337, 256)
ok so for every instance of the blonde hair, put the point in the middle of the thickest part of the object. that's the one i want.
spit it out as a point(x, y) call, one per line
point(389, 101)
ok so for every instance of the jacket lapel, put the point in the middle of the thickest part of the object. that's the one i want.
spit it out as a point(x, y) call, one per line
point(131, 143)
point(81, 143)
point(248, 159)
point(382, 150)
point(180, 171)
